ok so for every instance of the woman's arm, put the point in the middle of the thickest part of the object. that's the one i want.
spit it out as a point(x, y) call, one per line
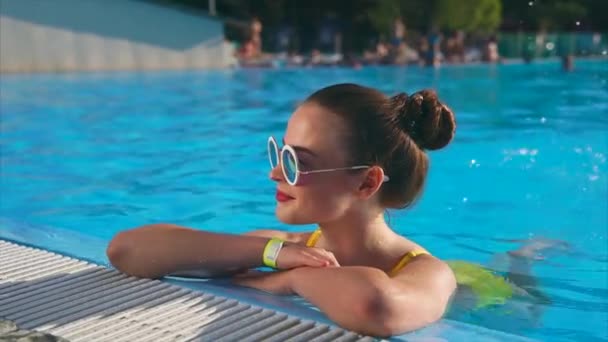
point(161, 249)
point(366, 300)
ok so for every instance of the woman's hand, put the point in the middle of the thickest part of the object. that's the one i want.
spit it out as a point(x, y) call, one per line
point(293, 256)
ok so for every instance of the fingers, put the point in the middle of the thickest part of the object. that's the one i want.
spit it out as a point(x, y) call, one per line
point(293, 256)
point(322, 257)
point(314, 260)
point(329, 257)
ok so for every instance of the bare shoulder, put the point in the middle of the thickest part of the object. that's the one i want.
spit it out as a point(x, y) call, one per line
point(430, 272)
point(426, 285)
point(401, 244)
point(287, 236)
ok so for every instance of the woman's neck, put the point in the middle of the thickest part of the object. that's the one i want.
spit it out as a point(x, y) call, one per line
point(356, 237)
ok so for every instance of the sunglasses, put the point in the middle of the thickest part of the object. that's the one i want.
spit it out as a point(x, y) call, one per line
point(288, 159)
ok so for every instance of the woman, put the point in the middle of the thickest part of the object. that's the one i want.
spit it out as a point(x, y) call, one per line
point(349, 154)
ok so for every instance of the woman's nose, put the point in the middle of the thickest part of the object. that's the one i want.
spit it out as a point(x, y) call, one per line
point(276, 174)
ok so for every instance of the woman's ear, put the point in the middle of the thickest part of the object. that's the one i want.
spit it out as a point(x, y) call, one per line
point(374, 177)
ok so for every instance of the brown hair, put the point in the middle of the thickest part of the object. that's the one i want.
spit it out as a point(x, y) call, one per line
point(391, 133)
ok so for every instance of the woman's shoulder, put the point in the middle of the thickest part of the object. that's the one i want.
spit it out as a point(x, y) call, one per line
point(404, 246)
point(293, 237)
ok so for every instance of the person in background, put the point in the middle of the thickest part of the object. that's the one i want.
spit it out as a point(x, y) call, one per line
point(329, 34)
point(459, 47)
point(403, 54)
point(433, 54)
point(423, 50)
point(568, 63)
point(283, 37)
point(398, 32)
point(382, 51)
point(247, 50)
point(454, 48)
point(256, 35)
point(490, 51)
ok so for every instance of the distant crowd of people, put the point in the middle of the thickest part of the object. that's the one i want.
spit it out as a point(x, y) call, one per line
point(400, 48)
point(432, 49)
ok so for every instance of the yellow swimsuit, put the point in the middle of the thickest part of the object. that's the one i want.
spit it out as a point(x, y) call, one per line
point(489, 288)
point(405, 259)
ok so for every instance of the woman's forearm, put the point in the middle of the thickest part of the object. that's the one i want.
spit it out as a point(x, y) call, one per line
point(349, 296)
point(157, 250)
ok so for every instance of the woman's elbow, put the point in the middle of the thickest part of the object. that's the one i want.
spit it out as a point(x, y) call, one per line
point(118, 251)
point(130, 251)
point(386, 318)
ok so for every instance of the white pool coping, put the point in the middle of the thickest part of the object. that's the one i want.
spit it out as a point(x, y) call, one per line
point(83, 301)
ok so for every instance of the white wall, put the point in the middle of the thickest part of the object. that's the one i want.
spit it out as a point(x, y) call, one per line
point(75, 35)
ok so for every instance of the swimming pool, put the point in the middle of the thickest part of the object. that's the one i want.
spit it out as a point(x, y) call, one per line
point(86, 155)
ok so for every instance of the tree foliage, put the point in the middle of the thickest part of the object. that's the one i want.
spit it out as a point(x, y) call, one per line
point(383, 13)
point(559, 14)
point(468, 15)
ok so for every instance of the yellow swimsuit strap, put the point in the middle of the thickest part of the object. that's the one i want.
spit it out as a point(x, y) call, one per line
point(409, 256)
point(314, 237)
point(405, 259)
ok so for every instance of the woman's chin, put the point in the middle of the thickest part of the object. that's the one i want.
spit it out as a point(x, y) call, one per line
point(286, 218)
point(289, 216)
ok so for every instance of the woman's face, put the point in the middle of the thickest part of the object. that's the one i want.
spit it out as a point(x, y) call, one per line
point(317, 136)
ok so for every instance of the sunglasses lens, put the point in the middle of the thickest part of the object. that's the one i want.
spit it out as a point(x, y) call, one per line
point(273, 154)
point(290, 166)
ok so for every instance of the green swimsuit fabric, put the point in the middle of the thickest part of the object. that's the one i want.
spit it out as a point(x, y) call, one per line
point(490, 289)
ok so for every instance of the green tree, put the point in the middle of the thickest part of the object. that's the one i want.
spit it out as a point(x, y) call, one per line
point(558, 15)
point(468, 15)
point(383, 13)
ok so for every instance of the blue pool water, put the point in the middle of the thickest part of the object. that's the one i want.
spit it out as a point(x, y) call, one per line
point(84, 156)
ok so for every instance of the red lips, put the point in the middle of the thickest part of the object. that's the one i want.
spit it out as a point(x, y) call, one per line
point(283, 197)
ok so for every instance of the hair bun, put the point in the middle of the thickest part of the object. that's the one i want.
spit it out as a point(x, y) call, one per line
point(427, 121)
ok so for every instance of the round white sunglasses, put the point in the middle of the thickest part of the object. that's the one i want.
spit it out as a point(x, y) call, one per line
point(288, 159)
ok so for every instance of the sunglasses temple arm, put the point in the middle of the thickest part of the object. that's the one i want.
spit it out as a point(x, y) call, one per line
point(335, 169)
